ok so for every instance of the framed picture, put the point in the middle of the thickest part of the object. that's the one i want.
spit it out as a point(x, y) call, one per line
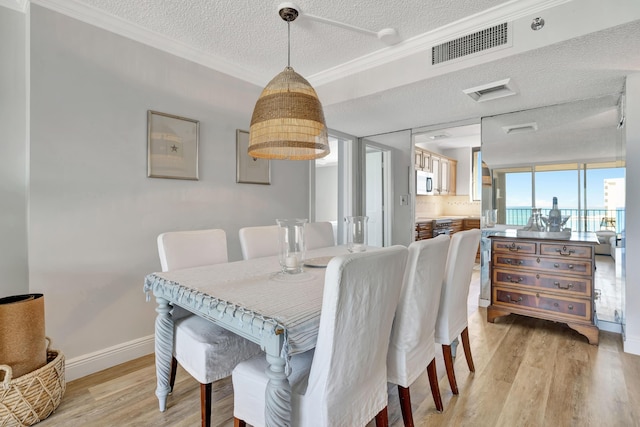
point(250, 170)
point(172, 146)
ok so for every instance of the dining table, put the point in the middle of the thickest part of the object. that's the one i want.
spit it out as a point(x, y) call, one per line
point(254, 299)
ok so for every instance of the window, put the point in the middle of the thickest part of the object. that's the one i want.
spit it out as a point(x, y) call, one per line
point(588, 193)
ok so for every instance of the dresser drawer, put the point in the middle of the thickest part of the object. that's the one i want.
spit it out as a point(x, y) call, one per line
point(568, 308)
point(551, 265)
point(514, 247)
point(572, 251)
point(580, 286)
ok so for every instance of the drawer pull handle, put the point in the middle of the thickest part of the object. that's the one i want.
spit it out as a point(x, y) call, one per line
point(515, 281)
point(564, 251)
point(555, 304)
point(556, 265)
point(570, 266)
point(514, 248)
point(570, 307)
point(569, 286)
point(513, 300)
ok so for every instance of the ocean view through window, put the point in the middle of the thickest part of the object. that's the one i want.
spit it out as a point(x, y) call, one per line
point(592, 194)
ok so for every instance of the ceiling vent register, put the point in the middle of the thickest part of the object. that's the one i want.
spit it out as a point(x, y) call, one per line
point(488, 38)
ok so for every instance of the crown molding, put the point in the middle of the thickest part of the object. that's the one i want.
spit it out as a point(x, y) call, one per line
point(19, 5)
point(506, 12)
point(117, 25)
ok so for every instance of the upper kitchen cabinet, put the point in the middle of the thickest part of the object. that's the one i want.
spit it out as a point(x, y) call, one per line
point(444, 170)
point(451, 155)
point(422, 160)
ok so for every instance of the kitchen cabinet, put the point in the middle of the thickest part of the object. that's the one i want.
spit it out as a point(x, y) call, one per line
point(422, 160)
point(545, 279)
point(453, 173)
point(424, 230)
point(444, 170)
point(435, 169)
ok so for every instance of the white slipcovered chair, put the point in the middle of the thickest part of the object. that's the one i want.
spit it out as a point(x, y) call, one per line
point(318, 235)
point(343, 382)
point(205, 350)
point(258, 242)
point(412, 347)
point(452, 313)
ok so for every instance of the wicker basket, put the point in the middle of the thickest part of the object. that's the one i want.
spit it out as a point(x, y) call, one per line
point(32, 397)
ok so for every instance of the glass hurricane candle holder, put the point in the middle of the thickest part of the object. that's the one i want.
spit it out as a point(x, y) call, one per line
point(356, 233)
point(291, 245)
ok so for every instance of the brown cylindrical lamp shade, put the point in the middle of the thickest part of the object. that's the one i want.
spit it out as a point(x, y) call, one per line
point(288, 121)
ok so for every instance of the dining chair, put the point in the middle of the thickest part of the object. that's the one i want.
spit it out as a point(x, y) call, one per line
point(343, 382)
point(205, 350)
point(452, 312)
point(258, 242)
point(318, 235)
point(412, 347)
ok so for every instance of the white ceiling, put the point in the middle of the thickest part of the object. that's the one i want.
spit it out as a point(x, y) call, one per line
point(585, 50)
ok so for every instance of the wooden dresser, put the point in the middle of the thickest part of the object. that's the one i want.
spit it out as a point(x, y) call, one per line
point(546, 279)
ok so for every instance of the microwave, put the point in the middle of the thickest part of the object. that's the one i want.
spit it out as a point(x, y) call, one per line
point(424, 183)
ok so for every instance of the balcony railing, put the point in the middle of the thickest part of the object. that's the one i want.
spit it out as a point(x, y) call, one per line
point(580, 220)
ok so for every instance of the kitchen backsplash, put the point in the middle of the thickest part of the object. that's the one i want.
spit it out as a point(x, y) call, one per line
point(435, 206)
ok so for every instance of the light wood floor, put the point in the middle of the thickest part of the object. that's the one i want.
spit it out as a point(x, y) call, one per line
point(528, 373)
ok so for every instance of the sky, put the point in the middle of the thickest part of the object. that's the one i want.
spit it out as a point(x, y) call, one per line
point(560, 184)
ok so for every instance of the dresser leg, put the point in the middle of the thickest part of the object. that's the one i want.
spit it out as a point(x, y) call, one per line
point(493, 313)
point(589, 331)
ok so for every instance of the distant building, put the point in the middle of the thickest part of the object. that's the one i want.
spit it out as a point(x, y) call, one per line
point(614, 191)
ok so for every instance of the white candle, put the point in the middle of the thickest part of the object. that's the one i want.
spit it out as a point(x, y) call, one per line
point(291, 261)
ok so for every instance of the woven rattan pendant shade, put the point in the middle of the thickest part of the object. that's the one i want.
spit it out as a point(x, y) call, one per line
point(288, 122)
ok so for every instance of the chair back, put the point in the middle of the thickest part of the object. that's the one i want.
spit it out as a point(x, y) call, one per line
point(193, 248)
point(258, 242)
point(412, 345)
point(452, 313)
point(348, 378)
point(318, 235)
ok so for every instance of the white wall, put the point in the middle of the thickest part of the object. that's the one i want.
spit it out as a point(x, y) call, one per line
point(632, 297)
point(94, 214)
point(402, 216)
point(326, 205)
point(14, 278)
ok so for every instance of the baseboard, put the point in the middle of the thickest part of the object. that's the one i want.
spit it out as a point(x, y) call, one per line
point(87, 364)
point(632, 345)
point(603, 325)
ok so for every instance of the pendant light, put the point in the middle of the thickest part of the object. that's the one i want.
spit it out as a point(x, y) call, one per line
point(288, 121)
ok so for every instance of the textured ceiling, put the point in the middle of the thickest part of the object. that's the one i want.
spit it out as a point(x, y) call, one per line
point(585, 51)
point(251, 34)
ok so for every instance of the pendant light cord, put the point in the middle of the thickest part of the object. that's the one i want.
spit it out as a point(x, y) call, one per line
point(288, 44)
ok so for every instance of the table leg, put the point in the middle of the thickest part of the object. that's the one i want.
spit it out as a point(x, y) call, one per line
point(278, 394)
point(164, 350)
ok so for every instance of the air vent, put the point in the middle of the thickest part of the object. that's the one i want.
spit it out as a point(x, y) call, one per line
point(472, 43)
point(490, 91)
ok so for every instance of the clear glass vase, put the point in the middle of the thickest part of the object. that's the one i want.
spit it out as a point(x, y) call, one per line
point(291, 245)
point(356, 233)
